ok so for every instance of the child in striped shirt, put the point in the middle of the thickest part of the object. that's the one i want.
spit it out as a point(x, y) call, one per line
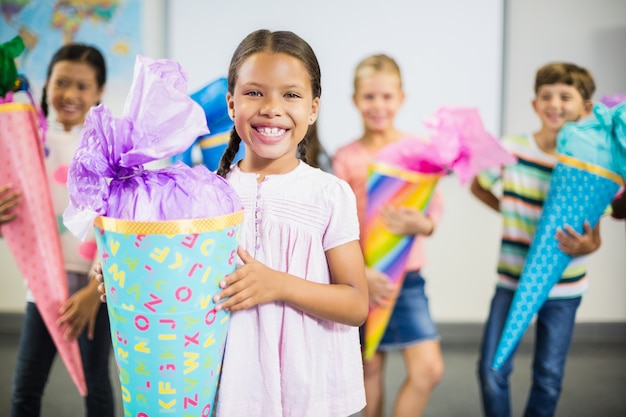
point(562, 93)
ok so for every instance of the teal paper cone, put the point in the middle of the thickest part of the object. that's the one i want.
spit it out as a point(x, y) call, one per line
point(575, 195)
point(167, 337)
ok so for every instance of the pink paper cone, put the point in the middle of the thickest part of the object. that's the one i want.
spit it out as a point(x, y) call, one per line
point(383, 250)
point(33, 237)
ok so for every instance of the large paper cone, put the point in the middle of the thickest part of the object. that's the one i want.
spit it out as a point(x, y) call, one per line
point(212, 149)
point(383, 250)
point(33, 237)
point(212, 99)
point(168, 339)
point(578, 191)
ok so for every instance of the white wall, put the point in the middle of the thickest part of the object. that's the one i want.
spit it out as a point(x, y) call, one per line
point(450, 51)
point(463, 253)
point(154, 41)
point(450, 54)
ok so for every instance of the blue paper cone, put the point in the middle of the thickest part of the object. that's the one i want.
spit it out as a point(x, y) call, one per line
point(168, 339)
point(578, 191)
point(212, 99)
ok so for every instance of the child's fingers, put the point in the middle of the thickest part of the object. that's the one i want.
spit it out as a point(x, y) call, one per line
point(244, 255)
point(102, 292)
point(96, 272)
point(238, 301)
point(73, 331)
point(230, 286)
point(571, 232)
point(381, 300)
point(67, 318)
point(10, 201)
point(5, 218)
point(66, 311)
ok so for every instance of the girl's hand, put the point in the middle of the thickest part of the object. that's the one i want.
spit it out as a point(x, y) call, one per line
point(381, 290)
point(96, 273)
point(575, 244)
point(406, 221)
point(8, 200)
point(80, 311)
point(249, 285)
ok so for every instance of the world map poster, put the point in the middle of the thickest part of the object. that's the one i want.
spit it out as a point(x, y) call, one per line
point(113, 26)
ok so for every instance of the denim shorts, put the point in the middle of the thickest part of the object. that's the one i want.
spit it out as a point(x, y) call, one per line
point(410, 322)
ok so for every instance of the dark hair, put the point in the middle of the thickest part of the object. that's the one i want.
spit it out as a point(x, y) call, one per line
point(314, 152)
point(566, 73)
point(285, 42)
point(76, 52)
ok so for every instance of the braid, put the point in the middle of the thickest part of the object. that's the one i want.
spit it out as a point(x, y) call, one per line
point(310, 148)
point(229, 154)
point(44, 103)
point(302, 147)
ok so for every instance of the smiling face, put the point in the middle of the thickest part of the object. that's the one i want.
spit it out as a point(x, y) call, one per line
point(72, 90)
point(378, 97)
point(273, 106)
point(558, 103)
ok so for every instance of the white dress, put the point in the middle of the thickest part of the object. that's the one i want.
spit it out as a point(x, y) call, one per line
point(280, 361)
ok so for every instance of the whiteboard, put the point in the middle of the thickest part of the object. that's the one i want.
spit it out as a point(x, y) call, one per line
point(449, 51)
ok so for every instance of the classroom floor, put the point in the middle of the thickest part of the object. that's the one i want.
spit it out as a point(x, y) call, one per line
point(595, 382)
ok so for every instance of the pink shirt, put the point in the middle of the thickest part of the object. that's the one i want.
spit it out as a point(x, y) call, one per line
point(350, 163)
point(280, 361)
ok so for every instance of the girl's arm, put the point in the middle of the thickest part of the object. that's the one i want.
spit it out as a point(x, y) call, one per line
point(81, 309)
point(345, 300)
point(485, 196)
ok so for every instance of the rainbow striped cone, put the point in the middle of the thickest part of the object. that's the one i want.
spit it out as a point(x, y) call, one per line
point(168, 339)
point(383, 250)
point(578, 191)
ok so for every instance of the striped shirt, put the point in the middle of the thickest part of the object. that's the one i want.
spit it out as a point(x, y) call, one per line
point(524, 188)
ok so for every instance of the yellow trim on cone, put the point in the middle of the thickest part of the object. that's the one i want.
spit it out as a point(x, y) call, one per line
point(215, 140)
point(586, 166)
point(403, 174)
point(13, 106)
point(169, 227)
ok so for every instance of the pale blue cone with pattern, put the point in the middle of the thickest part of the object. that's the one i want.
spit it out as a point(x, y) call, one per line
point(575, 195)
point(168, 337)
